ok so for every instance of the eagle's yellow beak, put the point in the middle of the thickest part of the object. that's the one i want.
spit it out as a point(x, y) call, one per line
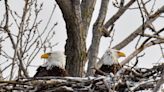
point(121, 54)
point(45, 56)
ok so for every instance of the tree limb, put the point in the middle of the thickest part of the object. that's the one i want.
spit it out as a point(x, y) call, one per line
point(118, 14)
point(87, 8)
point(141, 48)
point(132, 36)
point(97, 34)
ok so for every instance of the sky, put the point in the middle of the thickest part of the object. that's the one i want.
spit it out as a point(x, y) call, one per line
point(130, 21)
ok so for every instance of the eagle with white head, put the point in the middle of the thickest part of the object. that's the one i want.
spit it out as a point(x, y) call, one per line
point(109, 61)
point(54, 66)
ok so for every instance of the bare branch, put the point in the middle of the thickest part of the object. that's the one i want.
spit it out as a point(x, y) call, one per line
point(152, 36)
point(118, 14)
point(25, 38)
point(87, 8)
point(159, 83)
point(97, 34)
point(132, 36)
point(141, 48)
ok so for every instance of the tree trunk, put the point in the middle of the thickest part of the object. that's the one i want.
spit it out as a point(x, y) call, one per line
point(75, 48)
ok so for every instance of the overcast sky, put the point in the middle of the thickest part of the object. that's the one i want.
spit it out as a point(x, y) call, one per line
point(130, 21)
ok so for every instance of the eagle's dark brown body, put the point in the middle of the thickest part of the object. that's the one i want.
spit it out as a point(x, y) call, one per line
point(108, 69)
point(54, 71)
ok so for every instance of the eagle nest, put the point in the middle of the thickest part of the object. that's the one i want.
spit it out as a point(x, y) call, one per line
point(125, 80)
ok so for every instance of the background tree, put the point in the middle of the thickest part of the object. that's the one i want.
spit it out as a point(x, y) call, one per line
point(24, 36)
point(78, 15)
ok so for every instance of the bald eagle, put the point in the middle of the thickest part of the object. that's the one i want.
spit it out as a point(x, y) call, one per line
point(54, 66)
point(109, 62)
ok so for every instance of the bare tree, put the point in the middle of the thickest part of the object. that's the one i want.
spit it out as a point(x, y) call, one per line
point(80, 13)
point(25, 36)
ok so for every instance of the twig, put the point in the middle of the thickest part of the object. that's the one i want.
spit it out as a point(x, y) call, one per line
point(152, 36)
point(159, 83)
point(111, 39)
point(137, 59)
point(141, 48)
point(103, 73)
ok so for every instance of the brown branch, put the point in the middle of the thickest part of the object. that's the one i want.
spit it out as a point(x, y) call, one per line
point(65, 6)
point(152, 36)
point(107, 33)
point(112, 39)
point(39, 38)
point(107, 85)
point(9, 33)
point(136, 79)
point(6, 24)
point(114, 18)
point(141, 48)
point(25, 38)
point(1, 76)
point(101, 72)
point(87, 8)
point(9, 82)
point(97, 34)
point(156, 33)
point(20, 40)
point(132, 36)
point(143, 20)
point(144, 8)
point(159, 83)
point(120, 12)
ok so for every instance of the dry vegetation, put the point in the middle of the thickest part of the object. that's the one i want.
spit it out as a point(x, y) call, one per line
point(126, 80)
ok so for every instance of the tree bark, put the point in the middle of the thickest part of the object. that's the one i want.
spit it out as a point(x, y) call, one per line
point(75, 48)
point(97, 34)
point(87, 8)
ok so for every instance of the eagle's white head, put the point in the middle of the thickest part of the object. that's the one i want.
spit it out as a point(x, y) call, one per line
point(56, 58)
point(111, 56)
